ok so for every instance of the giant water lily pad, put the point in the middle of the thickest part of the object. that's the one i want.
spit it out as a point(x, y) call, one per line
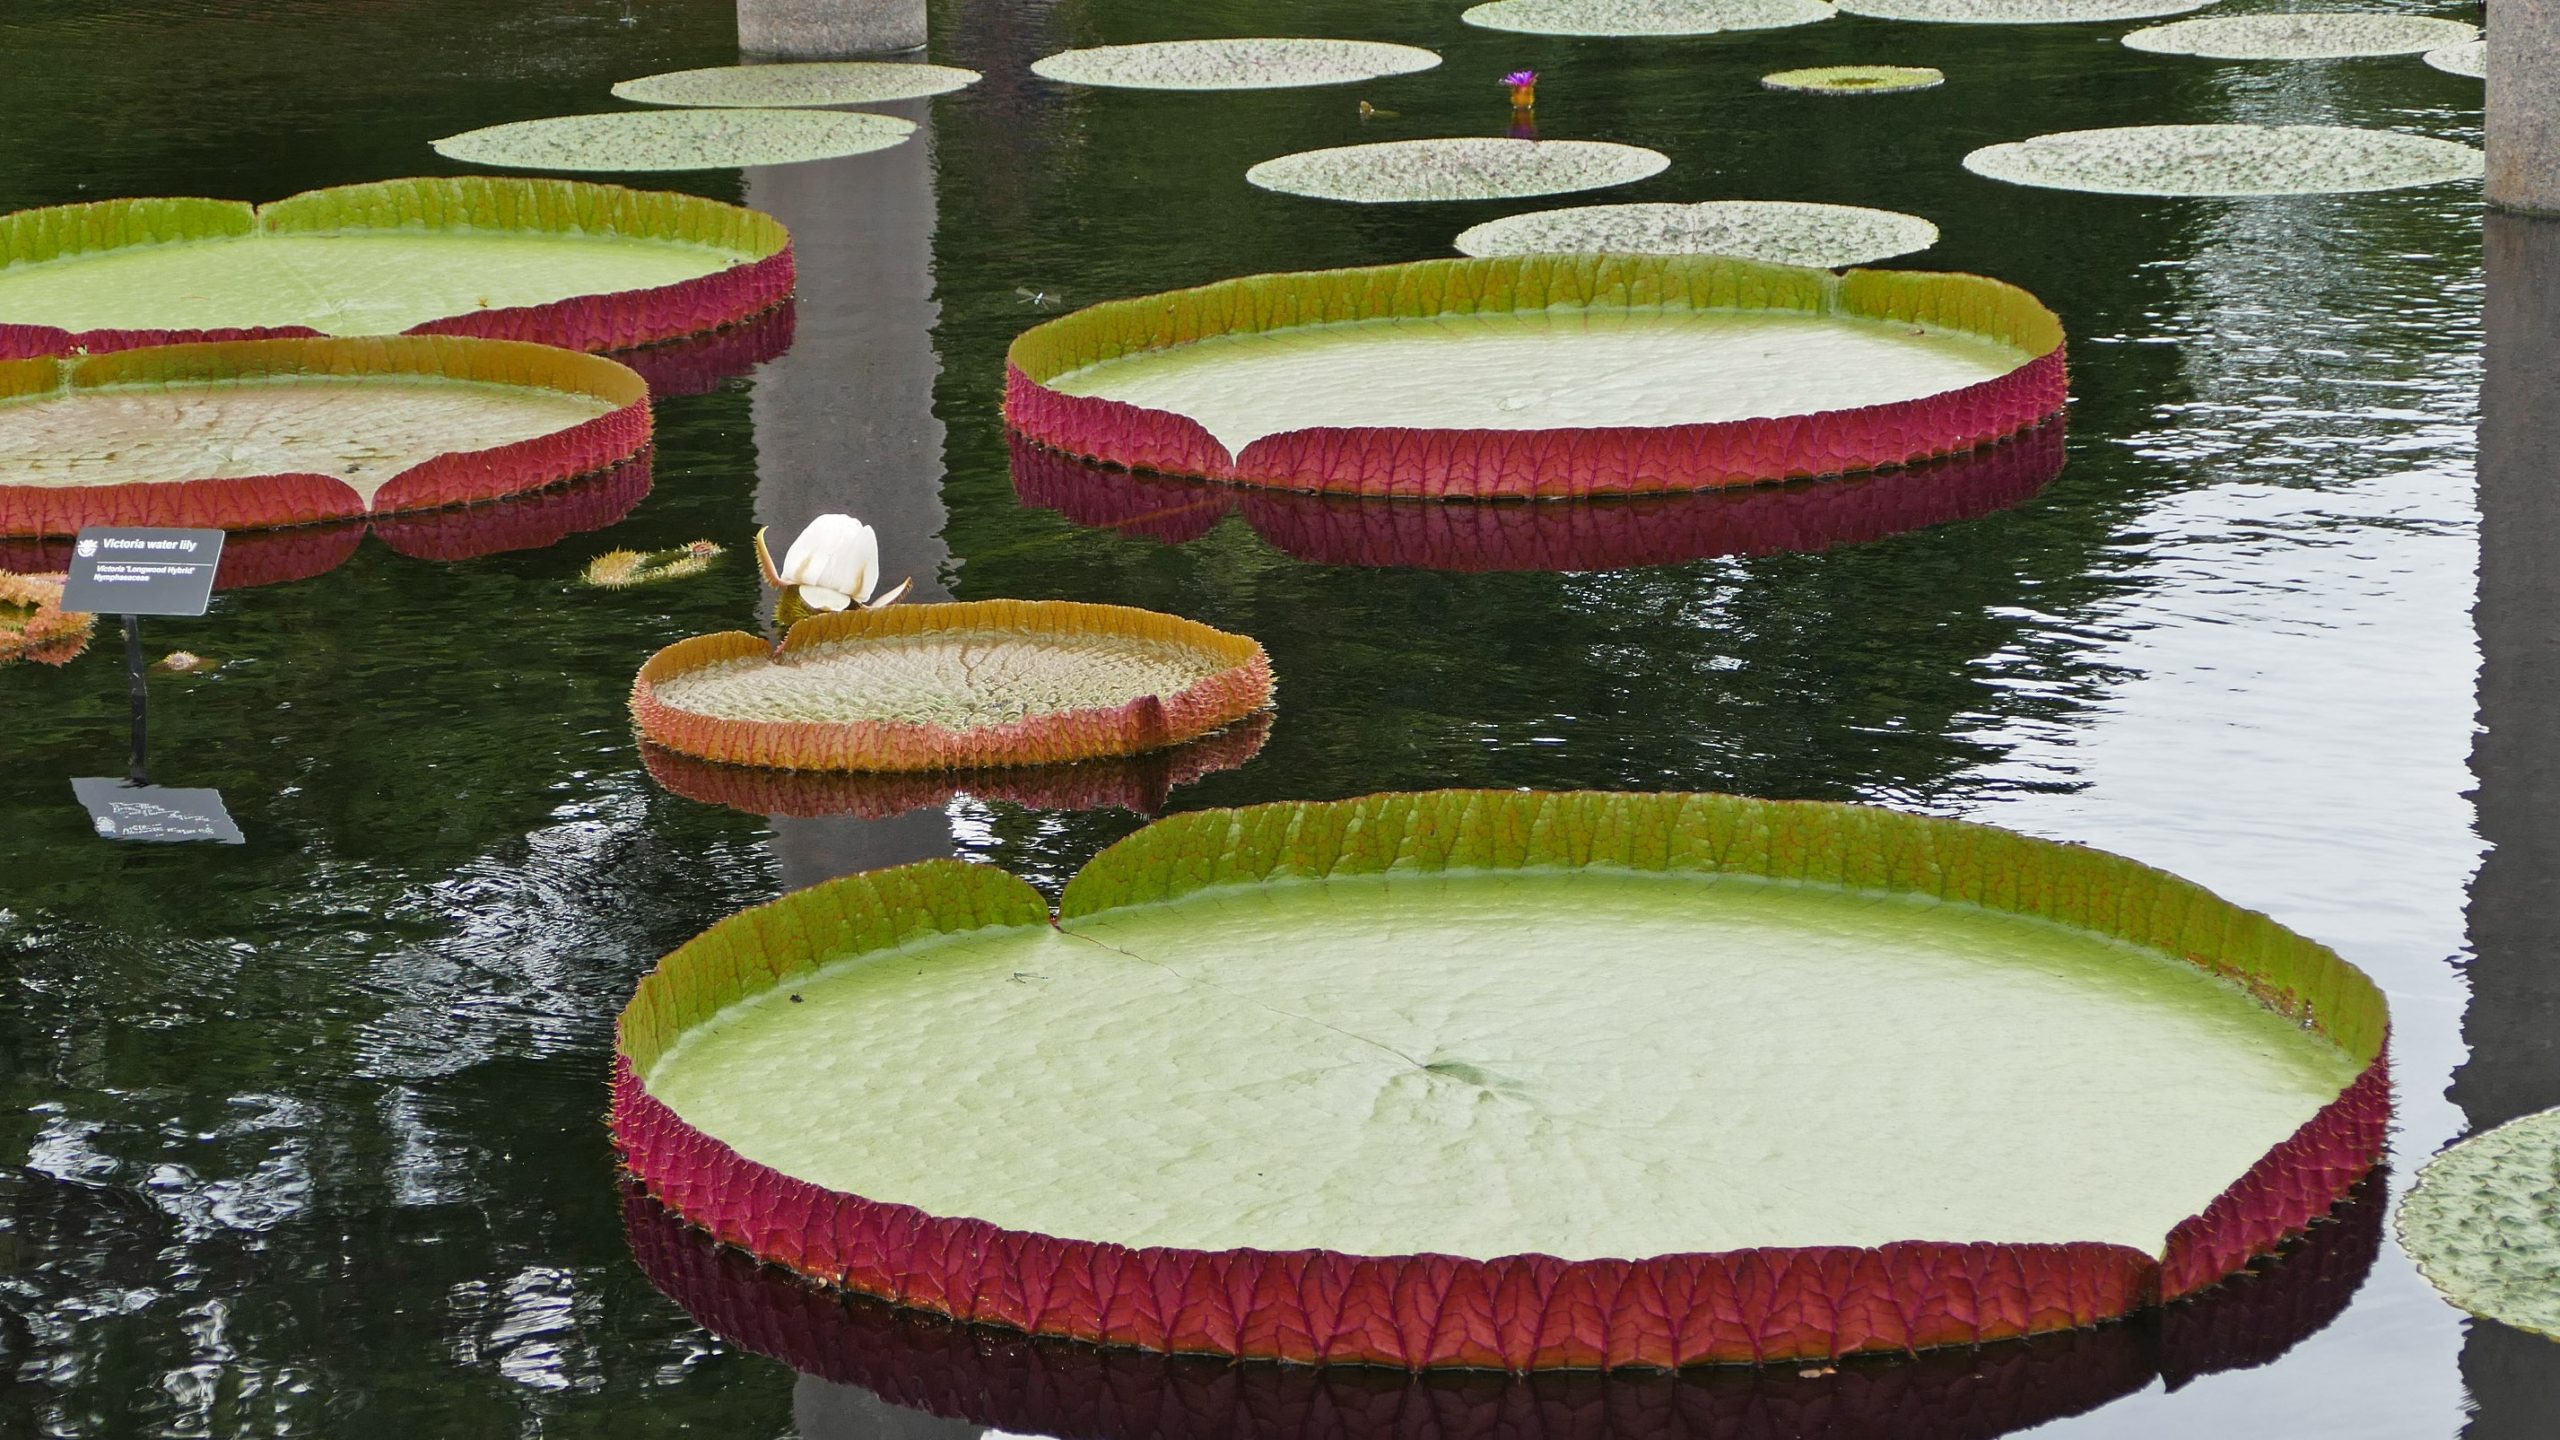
point(1244, 64)
point(712, 139)
point(2227, 160)
point(1546, 376)
point(1782, 232)
point(2470, 58)
point(2329, 35)
point(804, 83)
point(1645, 17)
point(2019, 12)
point(1362, 1041)
point(949, 687)
point(590, 267)
point(1459, 168)
point(2483, 1223)
point(1856, 79)
point(1610, 533)
point(249, 433)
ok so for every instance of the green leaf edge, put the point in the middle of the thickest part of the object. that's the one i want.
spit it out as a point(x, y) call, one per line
point(2444, 1208)
point(1516, 283)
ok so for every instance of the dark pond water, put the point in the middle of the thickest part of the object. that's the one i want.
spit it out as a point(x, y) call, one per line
point(305, 1136)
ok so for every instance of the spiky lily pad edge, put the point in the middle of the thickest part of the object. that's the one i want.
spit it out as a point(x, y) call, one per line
point(1150, 722)
point(1521, 1312)
point(1466, 464)
point(602, 322)
point(260, 502)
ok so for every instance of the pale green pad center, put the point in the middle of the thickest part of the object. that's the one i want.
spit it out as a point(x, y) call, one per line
point(1542, 369)
point(363, 430)
point(1583, 1064)
point(356, 283)
point(958, 679)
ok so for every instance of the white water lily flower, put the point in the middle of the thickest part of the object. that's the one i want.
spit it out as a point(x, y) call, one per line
point(835, 562)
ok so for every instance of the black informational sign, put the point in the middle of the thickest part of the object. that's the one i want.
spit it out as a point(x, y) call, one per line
point(142, 570)
point(122, 810)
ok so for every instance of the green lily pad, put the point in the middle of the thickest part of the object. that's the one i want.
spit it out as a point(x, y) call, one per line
point(1782, 232)
point(2019, 12)
point(815, 82)
point(2470, 58)
point(2301, 36)
point(1258, 63)
point(1463, 168)
point(2483, 1223)
point(675, 139)
point(2227, 160)
point(1856, 79)
point(1645, 17)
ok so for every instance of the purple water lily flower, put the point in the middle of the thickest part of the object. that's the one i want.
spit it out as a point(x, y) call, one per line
point(1524, 88)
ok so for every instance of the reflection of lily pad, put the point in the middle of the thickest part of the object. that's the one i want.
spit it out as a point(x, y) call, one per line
point(949, 687)
point(923, 1362)
point(250, 433)
point(2227, 160)
point(675, 139)
point(1129, 782)
point(699, 364)
point(2300, 36)
point(590, 267)
point(1264, 1046)
point(2483, 1223)
point(1463, 168)
point(812, 82)
point(1645, 17)
point(1467, 379)
point(2471, 58)
point(1782, 232)
point(1559, 535)
point(1856, 79)
point(1246, 64)
point(2019, 12)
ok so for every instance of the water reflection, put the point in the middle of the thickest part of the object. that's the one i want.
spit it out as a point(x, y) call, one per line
point(872, 1370)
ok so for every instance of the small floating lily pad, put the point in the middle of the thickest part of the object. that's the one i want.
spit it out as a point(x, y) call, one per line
point(675, 139)
point(799, 84)
point(2483, 1223)
point(562, 262)
point(2301, 36)
point(1246, 64)
point(1856, 79)
point(1645, 17)
point(254, 433)
point(1460, 168)
point(2470, 58)
point(2019, 12)
point(1364, 1040)
point(1783, 232)
point(949, 687)
point(2227, 160)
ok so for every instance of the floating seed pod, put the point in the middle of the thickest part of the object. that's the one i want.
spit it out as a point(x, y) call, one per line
point(2227, 160)
point(33, 624)
point(805, 83)
point(625, 569)
point(715, 139)
point(1259, 63)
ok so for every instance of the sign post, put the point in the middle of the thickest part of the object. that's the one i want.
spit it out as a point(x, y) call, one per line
point(133, 571)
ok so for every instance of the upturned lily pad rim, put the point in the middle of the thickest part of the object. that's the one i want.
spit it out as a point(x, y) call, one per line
point(609, 321)
point(522, 144)
point(1073, 67)
point(272, 501)
point(1248, 1303)
point(1477, 464)
point(2443, 1209)
point(698, 88)
point(1239, 687)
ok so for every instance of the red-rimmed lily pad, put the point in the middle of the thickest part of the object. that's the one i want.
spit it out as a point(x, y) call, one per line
point(1566, 535)
point(1542, 376)
point(586, 266)
point(1340, 1083)
point(249, 434)
point(973, 685)
point(1132, 782)
point(988, 1378)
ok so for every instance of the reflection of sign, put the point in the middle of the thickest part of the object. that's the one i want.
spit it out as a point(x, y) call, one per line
point(122, 811)
point(142, 570)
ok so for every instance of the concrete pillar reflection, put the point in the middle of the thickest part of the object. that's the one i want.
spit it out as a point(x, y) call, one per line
point(844, 420)
point(2524, 106)
point(2513, 1023)
point(829, 29)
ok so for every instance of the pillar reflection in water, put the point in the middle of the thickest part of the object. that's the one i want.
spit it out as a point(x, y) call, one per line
point(844, 421)
point(2513, 1024)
